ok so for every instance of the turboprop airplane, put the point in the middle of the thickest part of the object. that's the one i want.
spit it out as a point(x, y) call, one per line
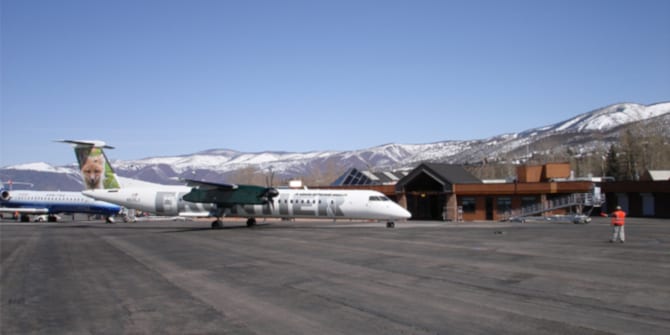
point(254, 201)
point(203, 199)
point(28, 203)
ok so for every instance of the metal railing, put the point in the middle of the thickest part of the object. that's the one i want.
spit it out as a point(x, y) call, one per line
point(579, 200)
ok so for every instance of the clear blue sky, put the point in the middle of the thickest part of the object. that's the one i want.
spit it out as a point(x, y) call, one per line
point(169, 77)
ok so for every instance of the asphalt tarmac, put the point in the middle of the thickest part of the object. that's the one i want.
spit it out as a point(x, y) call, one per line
point(167, 277)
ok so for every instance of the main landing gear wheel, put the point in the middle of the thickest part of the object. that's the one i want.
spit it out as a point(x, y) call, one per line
point(251, 222)
point(390, 224)
point(217, 224)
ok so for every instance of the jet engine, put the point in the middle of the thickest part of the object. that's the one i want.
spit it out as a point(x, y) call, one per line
point(5, 195)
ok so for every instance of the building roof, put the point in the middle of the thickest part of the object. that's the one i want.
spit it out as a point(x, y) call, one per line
point(659, 175)
point(454, 174)
point(354, 176)
point(445, 175)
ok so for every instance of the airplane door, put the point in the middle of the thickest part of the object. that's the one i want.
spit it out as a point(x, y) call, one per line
point(330, 211)
point(170, 204)
point(166, 203)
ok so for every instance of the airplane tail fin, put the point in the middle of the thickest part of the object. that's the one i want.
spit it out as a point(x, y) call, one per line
point(95, 169)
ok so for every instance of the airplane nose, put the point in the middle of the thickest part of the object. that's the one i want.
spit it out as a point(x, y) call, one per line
point(405, 213)
point(401, 213)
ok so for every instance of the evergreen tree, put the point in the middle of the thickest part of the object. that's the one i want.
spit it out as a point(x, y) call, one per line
point(630, 151)
point(612, 165)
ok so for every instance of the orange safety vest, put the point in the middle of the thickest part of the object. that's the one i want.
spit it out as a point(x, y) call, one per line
point(619, 218)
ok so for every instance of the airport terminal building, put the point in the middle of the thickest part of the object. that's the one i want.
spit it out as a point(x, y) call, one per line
point(434, 191)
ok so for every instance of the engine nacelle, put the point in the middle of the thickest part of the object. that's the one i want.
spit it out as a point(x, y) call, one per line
point(269, 194)
point(5, 195)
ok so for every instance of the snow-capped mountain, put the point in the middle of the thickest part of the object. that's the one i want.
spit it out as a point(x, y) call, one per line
point(586, 132)
point(608, 118)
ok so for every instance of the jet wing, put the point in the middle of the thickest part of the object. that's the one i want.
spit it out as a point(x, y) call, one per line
point(227, 195)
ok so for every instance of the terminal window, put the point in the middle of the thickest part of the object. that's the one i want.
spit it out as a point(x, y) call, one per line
point(469, 204)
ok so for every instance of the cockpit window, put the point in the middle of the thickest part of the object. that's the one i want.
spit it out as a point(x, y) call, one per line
point(378, 198)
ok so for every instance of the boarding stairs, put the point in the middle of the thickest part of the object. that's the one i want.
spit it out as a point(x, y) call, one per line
point(577, 201)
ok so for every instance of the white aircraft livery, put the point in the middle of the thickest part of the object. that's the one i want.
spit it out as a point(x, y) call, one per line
point(28, 203)
point(201, 199)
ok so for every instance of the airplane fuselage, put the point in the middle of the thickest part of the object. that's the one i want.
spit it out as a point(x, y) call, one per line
point(47, 202)
point(289, 203)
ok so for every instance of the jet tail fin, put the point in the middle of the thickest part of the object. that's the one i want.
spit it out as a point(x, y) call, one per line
point(95, 169)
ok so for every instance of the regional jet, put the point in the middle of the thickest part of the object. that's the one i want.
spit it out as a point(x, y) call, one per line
point(28, 203)
point(207, 199)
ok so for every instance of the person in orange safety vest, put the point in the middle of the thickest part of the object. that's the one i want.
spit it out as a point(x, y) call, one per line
point(618, 222)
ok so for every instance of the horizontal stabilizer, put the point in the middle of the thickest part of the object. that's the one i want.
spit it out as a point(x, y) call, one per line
point(87, 143)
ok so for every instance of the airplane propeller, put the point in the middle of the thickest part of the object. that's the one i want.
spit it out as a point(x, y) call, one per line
point(270, 192)
point(268, 196)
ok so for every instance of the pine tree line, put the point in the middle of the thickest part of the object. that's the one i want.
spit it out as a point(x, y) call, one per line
point(628, 157)
point(638, 150)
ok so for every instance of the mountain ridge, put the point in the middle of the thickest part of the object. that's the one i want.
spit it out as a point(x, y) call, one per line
point(585, 132)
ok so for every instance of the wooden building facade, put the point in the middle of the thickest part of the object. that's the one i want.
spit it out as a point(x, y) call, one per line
point(434, 191)
point(645, 198)
point(448, 192)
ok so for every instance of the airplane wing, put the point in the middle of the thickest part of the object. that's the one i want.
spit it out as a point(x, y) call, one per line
point(227, 195)
point(205, 185)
